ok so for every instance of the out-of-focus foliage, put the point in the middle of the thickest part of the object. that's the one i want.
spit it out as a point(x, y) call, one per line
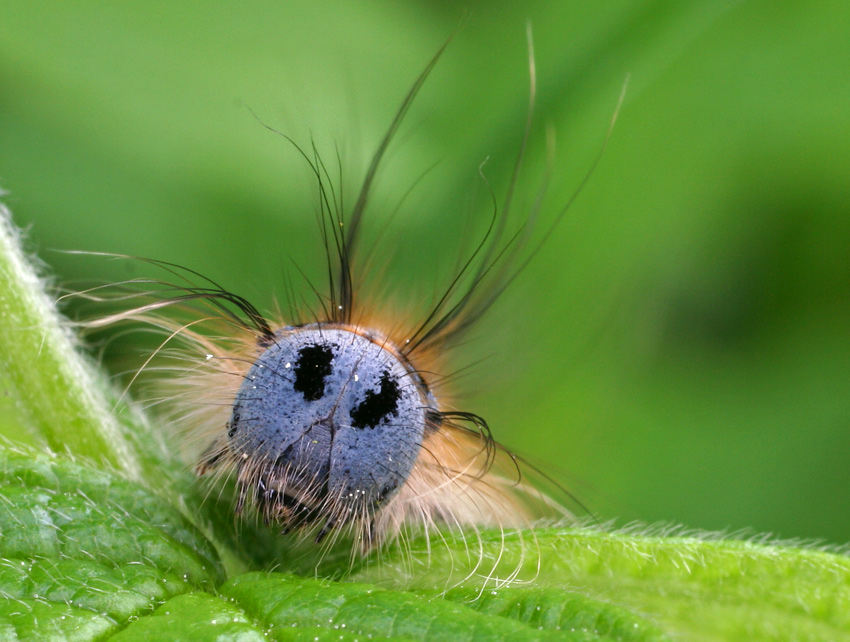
point(679, 349)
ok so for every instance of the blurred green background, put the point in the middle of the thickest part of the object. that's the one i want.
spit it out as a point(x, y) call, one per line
point(678, 351)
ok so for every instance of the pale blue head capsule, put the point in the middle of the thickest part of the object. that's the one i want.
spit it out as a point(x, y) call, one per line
point(327, 424)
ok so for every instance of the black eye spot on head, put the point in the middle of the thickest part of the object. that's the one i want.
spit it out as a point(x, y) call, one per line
point(313, 365)
point(376, 405)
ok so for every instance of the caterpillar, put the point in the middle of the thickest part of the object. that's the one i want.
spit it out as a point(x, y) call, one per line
point(334, 418)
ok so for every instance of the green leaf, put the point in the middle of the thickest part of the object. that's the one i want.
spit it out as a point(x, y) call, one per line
point(56, 510)
point(561, 610)
point(58, 398)
point(82, 552)
point(24, 619)
point(51, 395)
point(194, 616)
point(713, 589)
point(363, 609)
point(87, 554)
point(286, 607)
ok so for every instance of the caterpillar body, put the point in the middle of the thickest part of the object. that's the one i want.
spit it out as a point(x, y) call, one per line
point(333, 420)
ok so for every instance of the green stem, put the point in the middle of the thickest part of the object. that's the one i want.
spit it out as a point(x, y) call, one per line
point(59, 397)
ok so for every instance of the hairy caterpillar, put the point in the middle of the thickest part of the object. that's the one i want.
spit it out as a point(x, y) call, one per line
point(333, 419)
